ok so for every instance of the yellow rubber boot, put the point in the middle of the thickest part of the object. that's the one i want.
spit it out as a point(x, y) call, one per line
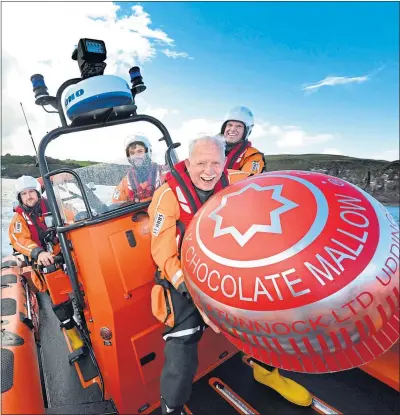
point(287, 388)
point(74, 338)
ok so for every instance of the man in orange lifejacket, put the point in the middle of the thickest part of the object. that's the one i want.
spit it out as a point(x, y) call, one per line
point(171, 210)
point(144, 177)
point(240, 155)
point(27, 227)
point(27, 236)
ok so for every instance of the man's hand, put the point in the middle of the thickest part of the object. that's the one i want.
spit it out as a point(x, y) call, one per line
point(45, 259)
point(209, 322)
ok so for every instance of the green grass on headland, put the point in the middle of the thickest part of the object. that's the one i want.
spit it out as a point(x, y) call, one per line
point(15, 166)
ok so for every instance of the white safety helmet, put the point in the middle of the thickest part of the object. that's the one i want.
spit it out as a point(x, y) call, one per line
point(242, 114)
point(139, 139)
point(27, 183)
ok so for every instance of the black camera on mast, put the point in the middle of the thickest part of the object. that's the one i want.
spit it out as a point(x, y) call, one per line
point(94, 92)
point(90, 54)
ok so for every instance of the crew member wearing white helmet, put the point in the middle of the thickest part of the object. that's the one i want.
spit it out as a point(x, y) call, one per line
point(26, 232)
point(236, 129)
point(27, 227)
point(144, 177)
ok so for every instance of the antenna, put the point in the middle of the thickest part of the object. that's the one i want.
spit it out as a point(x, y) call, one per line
point(30, 133)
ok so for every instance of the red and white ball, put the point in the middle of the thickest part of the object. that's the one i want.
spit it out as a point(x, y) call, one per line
point(299, 270)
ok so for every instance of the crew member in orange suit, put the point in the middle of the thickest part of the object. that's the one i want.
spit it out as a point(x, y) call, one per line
point(171, 210)
point(143, 177)
point(240, 155)
point(27, 227)
point(26, 232)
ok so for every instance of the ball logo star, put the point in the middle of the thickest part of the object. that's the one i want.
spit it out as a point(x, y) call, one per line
point(268, 221)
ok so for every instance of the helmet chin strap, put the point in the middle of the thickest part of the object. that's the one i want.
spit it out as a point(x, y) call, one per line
point(33, 209)
point(229, 146)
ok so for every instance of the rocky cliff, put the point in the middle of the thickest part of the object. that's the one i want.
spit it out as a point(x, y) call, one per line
point(378, 177)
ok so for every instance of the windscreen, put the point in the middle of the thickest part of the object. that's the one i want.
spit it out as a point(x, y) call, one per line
point(118, 166)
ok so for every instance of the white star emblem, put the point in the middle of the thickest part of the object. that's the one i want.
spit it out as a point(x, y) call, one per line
point(275, 226)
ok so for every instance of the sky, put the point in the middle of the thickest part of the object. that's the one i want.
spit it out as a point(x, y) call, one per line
point(319, 77)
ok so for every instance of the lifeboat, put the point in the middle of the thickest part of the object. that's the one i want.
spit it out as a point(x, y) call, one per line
point(106, 276)
point(21, 388)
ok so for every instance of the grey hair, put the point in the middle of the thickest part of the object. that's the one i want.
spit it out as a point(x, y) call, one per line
point(215, 139)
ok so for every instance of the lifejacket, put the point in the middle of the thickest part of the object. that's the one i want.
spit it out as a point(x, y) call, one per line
point(189, 203)
point(235, 156)
point(136, 190)
point(36, 226)
point(167, 304)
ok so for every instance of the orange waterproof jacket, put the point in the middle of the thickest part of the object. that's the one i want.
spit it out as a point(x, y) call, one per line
point(165, 211)
point(26, 239)
point(130, 189)
point(22, 239)
point(246, 158)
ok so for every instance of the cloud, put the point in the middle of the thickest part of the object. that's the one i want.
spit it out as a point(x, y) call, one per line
point(176, 55)
point(46, 48)
point(139, 22)
point(336, 80)
point(340, 80)
point(191, 129)
point(159, 113)
point(332, 150)
point(290, 136)
point(287, 137)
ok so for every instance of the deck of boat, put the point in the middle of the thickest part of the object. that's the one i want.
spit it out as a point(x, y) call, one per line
point(349, 392)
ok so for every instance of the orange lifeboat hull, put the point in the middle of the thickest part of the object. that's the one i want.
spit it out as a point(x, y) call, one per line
point(21, 390)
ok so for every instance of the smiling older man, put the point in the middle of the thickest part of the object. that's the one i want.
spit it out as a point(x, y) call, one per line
point(173, 206)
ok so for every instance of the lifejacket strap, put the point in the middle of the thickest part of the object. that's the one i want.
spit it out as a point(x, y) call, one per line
point(177, 282)
point(177, 278)
point(182, 289)
point(233, 156)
